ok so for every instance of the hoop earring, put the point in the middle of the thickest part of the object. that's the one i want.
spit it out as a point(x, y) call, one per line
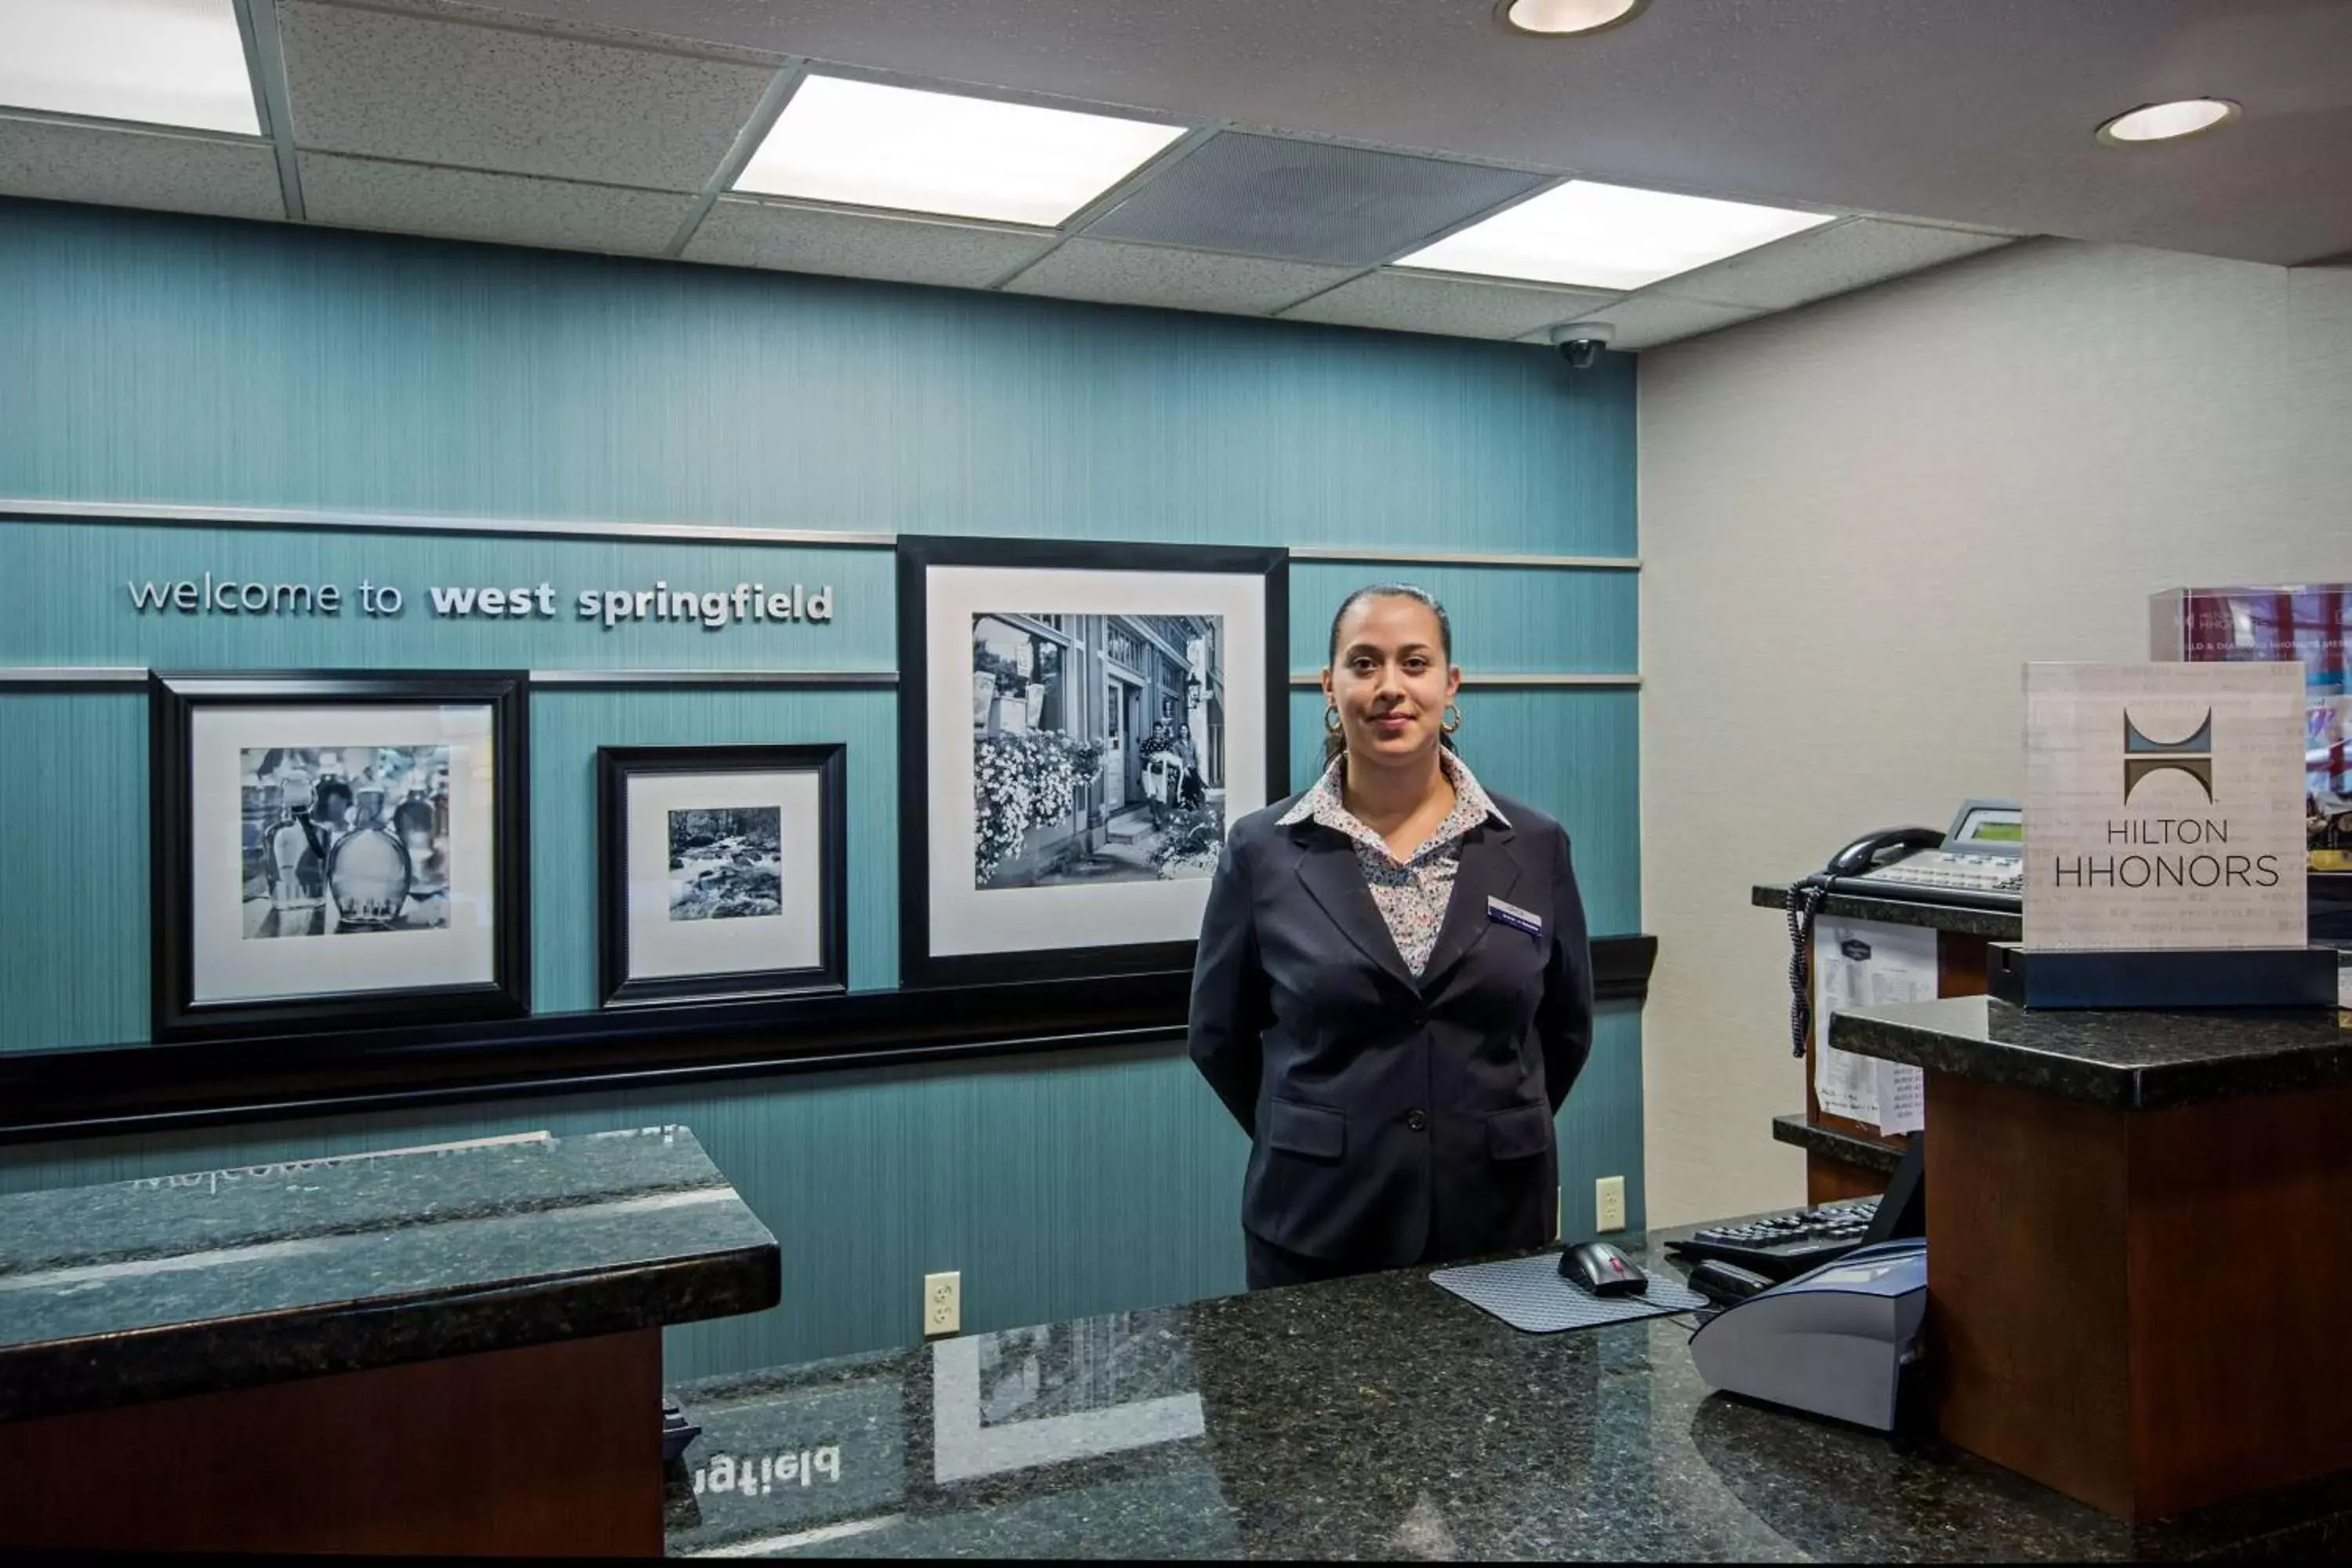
point(1457, 724)
point(1331, 720)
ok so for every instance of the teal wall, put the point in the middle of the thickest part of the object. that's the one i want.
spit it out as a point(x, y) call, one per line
point(203, 361)
point(164, 360)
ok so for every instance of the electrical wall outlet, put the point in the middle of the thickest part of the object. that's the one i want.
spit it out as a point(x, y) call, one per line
point(942, 1304)
point(1609, 1204)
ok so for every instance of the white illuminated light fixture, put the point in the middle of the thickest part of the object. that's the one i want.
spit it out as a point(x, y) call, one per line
point(1609, 237)
point(164, 62)
point(2168, 121)
point(1566, 18)
point(842, 140)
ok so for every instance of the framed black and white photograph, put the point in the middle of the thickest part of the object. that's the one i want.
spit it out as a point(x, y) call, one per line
point(1078, 726)
point(337, 850)
point(722, 872)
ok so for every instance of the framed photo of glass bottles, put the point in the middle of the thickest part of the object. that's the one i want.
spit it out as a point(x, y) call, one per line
point(722, 873)
point(337, 850)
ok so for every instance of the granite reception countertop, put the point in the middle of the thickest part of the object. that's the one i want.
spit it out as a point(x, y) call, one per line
point(1836, 1143)
point(191, 1284)
point(1369, 1417)
point(2128, 1061)
point(1992, 924)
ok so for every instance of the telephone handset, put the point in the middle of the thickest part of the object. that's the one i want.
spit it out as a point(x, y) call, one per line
point(1977, 863)
point(1870, 850)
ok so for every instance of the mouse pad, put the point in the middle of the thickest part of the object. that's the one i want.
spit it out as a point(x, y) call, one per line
point(1529, 1294)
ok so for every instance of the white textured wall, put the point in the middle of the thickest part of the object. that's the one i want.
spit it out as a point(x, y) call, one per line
point(1858, 520)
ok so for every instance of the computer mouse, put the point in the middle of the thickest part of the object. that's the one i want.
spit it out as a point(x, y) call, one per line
point(1601, 1269)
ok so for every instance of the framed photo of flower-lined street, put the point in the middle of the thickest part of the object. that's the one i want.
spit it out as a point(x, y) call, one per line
point(1079, 724)
point(337, 850)
point(722, 873)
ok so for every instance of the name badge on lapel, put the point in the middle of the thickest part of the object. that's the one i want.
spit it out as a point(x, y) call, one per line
point(1513, 916)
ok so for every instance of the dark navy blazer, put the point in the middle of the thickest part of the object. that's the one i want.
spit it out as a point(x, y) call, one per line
point(1393, 1119)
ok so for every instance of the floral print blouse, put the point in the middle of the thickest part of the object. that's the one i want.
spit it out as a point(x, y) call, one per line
point(1410, 894)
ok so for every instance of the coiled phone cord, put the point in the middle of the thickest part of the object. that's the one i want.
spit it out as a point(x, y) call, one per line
point(1804, 903)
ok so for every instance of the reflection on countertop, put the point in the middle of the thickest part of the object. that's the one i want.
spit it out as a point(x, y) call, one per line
point(214, 1280)
point(1369, 1417)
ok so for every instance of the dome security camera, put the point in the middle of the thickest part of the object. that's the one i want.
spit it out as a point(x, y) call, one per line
point(1580, 342)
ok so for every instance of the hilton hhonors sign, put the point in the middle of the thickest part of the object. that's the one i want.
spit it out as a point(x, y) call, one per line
point(2164, 805)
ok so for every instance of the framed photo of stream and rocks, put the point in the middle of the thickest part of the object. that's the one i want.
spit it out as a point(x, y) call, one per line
point(1079, 724)
point(722, 874)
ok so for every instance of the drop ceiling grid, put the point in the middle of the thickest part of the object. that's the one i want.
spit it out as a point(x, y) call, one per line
point(1190, 228)
point(780, 235)
point(773, 100)
point(57, 159)
point(1408, 300)
point(1119, 273)
point(1327, 279)
point(472, 203)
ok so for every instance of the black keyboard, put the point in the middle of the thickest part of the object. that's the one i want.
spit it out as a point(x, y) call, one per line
point(1783, 1246)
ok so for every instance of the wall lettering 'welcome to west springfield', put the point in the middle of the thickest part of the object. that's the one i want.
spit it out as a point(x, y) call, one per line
point(711, 609)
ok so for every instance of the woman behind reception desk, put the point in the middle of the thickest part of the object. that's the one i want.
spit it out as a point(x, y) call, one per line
point(1393, 992)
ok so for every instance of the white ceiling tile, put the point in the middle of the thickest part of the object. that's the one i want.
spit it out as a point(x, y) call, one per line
point(1420, 302)
point(138, 169)
point(1647, 321)
point(511, 209)
point(1111, 273)
point(437, 91)
point(795, 239)
point(1829, 261)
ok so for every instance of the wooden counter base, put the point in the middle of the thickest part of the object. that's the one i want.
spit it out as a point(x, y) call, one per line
point(2144, 1311)
point(550, 1449)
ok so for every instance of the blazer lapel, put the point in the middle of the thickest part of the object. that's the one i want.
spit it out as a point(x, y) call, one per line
point(1487, 869)
point(1331, 877)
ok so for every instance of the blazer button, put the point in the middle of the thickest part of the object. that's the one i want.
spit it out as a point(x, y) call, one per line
point(1420, 1013)
point(1416, 1121)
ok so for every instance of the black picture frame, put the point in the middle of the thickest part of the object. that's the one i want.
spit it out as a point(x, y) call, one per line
point(616, 767)
point(919, 967)
point(176, 697)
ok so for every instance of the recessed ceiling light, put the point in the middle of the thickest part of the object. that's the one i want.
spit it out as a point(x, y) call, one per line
point(842, 140)
point(2168, 121)
point(1566, 18)
point(1609, 237)
point(164, 62)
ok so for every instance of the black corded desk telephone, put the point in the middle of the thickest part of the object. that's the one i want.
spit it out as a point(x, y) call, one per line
point(1979, 864)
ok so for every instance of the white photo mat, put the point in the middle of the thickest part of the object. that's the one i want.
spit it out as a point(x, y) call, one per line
point(227, 967)
point(793, 938)
point(969, 921)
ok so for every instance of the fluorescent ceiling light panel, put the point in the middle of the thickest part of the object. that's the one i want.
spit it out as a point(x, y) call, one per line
point(855, 142)
point(164, 62)
point(1609, 237)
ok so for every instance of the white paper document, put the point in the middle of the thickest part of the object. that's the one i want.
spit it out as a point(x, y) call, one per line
point(1864, 964)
